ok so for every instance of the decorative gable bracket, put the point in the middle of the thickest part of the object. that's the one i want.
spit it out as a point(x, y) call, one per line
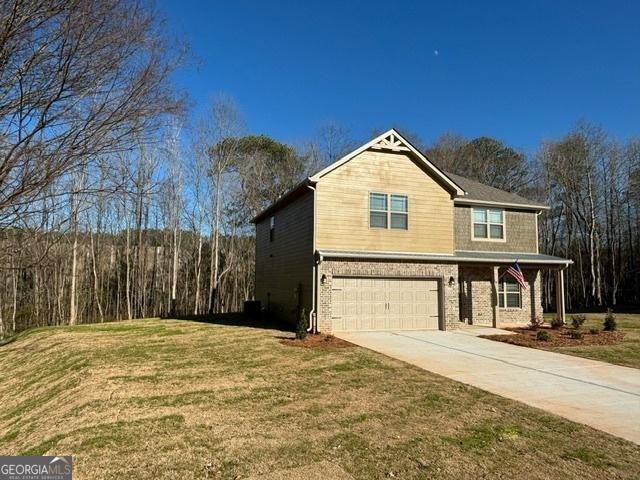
point(391, 142)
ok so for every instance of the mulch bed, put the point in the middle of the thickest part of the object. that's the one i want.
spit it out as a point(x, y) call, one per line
point(317, 341)
point(557, 338)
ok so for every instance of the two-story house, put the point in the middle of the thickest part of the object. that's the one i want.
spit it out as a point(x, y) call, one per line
point(384, 240)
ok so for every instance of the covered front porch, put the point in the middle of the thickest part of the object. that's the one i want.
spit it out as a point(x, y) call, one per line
point(491, 297)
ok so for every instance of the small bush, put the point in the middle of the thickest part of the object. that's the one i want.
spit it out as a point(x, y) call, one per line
point(536, 322)
point(594, 331)
point(542, 336)
point(577, 321)
point(557, 323)
point(301, 328)
point(609, 324)
point(575, 334)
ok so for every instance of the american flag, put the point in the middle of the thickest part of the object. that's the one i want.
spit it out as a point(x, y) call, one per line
point(515, 272)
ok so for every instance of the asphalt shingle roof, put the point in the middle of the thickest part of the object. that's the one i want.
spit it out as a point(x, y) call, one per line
point(481, 192)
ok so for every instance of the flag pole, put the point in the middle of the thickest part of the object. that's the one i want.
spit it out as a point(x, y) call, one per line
point(505, 272)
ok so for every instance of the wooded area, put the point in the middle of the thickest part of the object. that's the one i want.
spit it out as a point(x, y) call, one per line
point(113, 206)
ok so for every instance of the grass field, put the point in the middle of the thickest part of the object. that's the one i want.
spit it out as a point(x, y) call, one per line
point(177, 399)
point(626, 353)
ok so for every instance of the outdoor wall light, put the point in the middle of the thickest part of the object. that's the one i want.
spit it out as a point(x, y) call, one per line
point(323, 279)
point(452, 281)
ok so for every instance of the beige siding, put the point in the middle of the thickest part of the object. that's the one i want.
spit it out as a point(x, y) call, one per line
point(287, 262)
point(520, 232)
point(343, 206)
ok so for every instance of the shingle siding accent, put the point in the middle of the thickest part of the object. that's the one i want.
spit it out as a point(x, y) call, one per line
point(381, 268)
point(520, 230)
point(286, 263)
point(477, 298)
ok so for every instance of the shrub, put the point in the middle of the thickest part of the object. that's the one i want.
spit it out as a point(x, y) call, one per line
point(536, 322)
point(557, 323)
point(301, 328)
point(575, 334)
point(577, 321)
point(542, 336)
point(594, 331)
point(609, 324)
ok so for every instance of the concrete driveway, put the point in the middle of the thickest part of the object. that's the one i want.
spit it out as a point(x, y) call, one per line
point(604, 396)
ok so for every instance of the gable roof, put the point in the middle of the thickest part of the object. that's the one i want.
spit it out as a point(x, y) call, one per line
point(481, 194)
point(392, 140)
point(465, 191)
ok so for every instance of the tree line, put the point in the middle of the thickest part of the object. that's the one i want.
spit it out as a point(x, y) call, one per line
point(114, 206)
point(592, 184)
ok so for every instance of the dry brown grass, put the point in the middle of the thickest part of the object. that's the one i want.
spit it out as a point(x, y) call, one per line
point(178, 399)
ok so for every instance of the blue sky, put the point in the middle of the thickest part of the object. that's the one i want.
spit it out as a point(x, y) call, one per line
point(518, 71)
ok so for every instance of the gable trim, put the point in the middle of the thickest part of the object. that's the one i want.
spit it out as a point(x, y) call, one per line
point(393, 141)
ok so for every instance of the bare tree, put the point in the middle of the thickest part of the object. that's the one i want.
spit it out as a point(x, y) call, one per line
point(226, 126)
point(78, 79)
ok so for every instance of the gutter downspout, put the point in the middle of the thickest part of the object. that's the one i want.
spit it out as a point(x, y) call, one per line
point(314, 286)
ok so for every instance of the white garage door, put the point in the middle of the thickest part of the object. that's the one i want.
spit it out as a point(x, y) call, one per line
point(384, 304)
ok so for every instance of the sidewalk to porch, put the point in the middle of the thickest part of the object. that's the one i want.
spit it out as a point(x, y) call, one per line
point(598, 394)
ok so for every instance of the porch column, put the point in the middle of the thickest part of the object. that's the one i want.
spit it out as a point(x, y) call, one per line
point(560, 295)
point(496, 303)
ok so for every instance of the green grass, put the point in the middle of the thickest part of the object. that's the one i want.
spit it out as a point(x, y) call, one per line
point(180, 399)
point(626, 353)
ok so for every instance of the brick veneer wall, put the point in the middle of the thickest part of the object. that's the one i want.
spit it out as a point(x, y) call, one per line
point(383, 268)
point(477, 297)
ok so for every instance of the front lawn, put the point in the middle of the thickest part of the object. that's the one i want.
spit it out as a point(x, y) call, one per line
point(178, 399)
point(626, 353)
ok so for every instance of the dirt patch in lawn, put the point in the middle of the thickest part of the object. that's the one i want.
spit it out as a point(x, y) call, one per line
point(557, 338)
point(317, 341)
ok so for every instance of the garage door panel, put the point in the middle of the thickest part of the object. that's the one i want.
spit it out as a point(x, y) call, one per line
point(384, 304)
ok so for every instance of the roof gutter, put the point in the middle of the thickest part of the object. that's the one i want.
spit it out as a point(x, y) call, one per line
point(442, 258)
point(489, 203)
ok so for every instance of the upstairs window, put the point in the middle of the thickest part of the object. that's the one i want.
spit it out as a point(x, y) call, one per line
point(272, 228)
point(388, 211)
point(509, 293)
point(488, 224)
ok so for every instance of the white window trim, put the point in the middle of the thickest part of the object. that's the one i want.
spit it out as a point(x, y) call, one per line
point(388, 211)
point(489, 239)
point(503, 283)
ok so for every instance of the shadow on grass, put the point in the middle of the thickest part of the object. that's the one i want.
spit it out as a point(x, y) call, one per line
point(238, 319)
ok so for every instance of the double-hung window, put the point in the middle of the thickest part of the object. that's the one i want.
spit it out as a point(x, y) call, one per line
point(509, 293)
point(488, 224)
point(388, 211)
